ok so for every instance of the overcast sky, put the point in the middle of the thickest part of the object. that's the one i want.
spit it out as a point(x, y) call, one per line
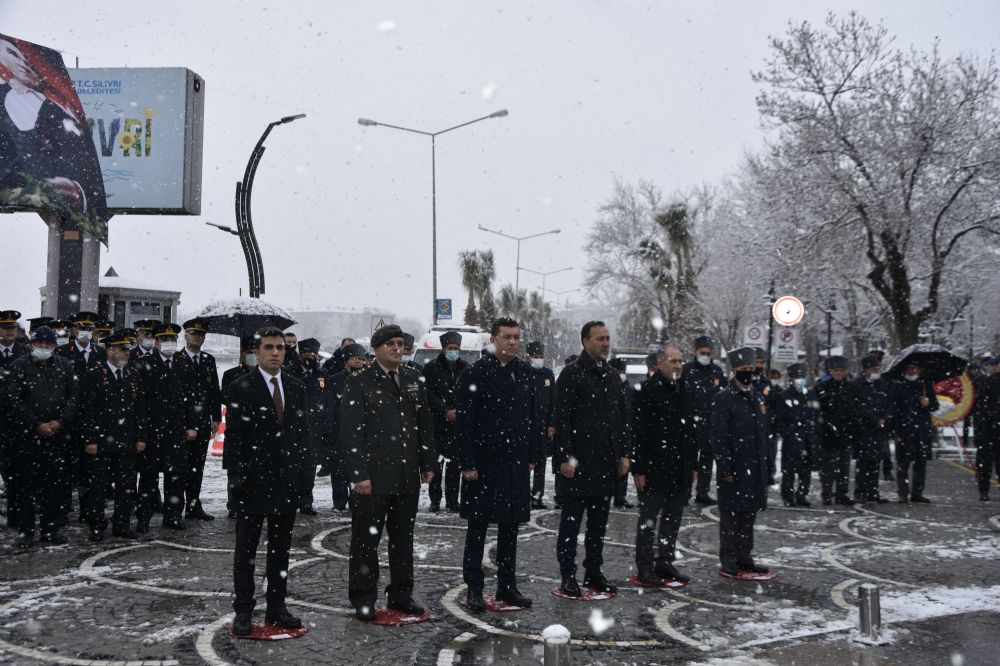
point(595, 90)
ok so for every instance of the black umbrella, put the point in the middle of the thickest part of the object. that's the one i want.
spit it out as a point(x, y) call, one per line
point(243, 316)
point(936, 363)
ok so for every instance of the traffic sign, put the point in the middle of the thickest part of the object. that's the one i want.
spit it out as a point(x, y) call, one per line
point(755, 335)
point(442, 307)
point(786, 346)
point(788, 311)
point(378, 321)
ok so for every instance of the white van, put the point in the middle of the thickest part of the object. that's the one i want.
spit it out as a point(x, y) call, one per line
point(474, 341)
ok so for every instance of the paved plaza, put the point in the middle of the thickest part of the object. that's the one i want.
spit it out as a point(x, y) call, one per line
point(167, 599)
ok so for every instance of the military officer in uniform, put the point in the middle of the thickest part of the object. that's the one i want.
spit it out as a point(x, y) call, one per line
point(102, 329)
point(10, 350)
point(201, 383)
point(701, 379)
point(353, 361)
point(144, 340)
point(387, 435)
point(320, 399)
point(114, 419)
point(248, 363)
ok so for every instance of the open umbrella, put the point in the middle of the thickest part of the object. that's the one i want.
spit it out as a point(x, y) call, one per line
point(243, 316)
point(936, 362)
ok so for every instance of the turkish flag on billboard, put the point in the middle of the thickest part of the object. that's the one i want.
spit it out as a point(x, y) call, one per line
point(48, 162)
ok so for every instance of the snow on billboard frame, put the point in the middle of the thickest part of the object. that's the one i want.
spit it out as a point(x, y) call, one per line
point(47, 165)
point(147, 125)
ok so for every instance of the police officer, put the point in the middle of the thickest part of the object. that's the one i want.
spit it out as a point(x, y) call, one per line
point(200, 375)
point(912, 431)
point(545, 390)
point(619, 365)
point(739, 437)
point(796, 420)
point(42, 393)
point(353, 361)
point(840, 406)
point(291, 351)
point(114, 417)
point(387, 435)
point(986, 417)
point(661, 467)
point(873, 429)
point(321, 402)
point(10, 350)
point(441, 376)
point(701, 379)
point(886, 386)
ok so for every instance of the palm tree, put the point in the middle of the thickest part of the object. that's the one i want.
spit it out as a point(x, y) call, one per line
point(469, 264)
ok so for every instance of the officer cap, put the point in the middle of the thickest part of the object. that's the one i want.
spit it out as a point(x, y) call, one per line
point(535, 348)
point(386, 333)
point(121, 338)
point(407, 340)
point(146, 325)
point(309, 346)
point(83, 318)
point(617, 363)
point(742, 356)
point(35, 322)
point(703, 341)
point(103, 325)
point(57, 324)
point(796, 371)
point(836, 363)
point(9, 317)
point(43, 334)
point(196, 325)
point(249, 343)
point(758, 354)
point(455, 338)
point(354, 350)
point(877, 353)
point(870, 361)
point(166, 329)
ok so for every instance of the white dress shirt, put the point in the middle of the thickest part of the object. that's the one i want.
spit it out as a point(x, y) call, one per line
point(270, 386)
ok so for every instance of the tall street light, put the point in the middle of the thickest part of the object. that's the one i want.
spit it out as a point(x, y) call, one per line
point(365, 122)
point(545, 275)
point(244, 221)
point(517, 277)
point(560, 294)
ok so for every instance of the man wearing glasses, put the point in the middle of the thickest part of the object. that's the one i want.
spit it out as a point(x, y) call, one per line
point(203, 398)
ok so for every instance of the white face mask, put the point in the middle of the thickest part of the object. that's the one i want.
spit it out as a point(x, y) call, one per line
point(147, 343)
point(83, 337)
point(250, 360)
point(623, 377)
point(704, 360)
point(168, 348)
point(912, 378)
point(874, 377)
point(406, 358)
point(538, 363)
point(41, 354)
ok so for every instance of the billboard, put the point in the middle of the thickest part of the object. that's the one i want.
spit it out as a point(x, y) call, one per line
point(47, 162)
point(146, 127)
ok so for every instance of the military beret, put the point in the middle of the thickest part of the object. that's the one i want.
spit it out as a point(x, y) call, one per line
point(35, 322)
point(196, 325)
point(796, 371)
point(836, 363)
point(9, 317)
point(121, 338)
point(451, 338)
point(165, 329)
point(407, 340)
point(83, 318)
point(309, 346)
point(870, 361)
point(535, 348)
point(703, 341)
point(742, 356)
point(386, 333)
point(43, 334)
point(354, 350)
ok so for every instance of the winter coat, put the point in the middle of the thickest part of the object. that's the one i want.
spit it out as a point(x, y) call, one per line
point(441, 382)
point(39, 392)
point(267, 458)
point(840, 405)
point(986, 410)
point(499, 433)
point(201, 388)
point(591, 426)
point(797, 421)
point(874, 415)
point(322, 404)
point(386, 431)
point(113, 411)
point(545, 392)
point(739, 439)
point(167, 412)
point(661, 449)
point(911, 423)
point(699, 385)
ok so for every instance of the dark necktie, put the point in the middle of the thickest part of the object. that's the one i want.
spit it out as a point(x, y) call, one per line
point(118, 376)
point(195, 359)
point(279, 405)
point(395, 380)
point(6, 353)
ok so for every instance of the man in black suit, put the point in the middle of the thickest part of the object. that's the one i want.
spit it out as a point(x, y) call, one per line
point(248, 363)
point(267, 430)
point(201, 380)
point(114, 418)
point(10, 349)
point(387, 435)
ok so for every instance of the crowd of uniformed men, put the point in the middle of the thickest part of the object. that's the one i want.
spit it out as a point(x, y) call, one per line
point(89, 414)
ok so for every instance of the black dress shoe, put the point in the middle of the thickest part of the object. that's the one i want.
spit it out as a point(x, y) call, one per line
point(570, 587)
point(474, 600)
point(845, 500)
point(729, 572)
point(198, 513)
point(920, 499)
point(96, 536)
point(650, 577)
point(789, 501)
point(754, 568)
point(242, 625)
point(407, 605)
point(802, 501)
point(282, 618)
point(903, 499)
point(124, 534)
point(513, 597)
point(142, 527)
point(453, 508)
point(705, 500)
point(668, 571)
point(231, 515)
point(827, 501)
point(435, 508)
point(538, 504)
point(323, 471)
point(55, 537)
point(984, 496)
point(308, 511)
point(25, 540)
point(597, 582)
point(174, 525)
point(365, 613)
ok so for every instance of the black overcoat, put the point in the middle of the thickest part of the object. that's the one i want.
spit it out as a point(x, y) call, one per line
point(441, 381)
point(113, 415)
point(739, 438)
point(661, 448)
point(911, 422)
point(167, 411)
point(796, 420)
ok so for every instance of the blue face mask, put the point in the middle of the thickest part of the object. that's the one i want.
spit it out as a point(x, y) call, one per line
point(452, 355)
point(800, 384)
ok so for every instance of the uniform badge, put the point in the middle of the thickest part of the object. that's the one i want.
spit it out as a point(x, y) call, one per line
point(322, 383)
point(767, 390)
point(548, 381)
point(716, 381)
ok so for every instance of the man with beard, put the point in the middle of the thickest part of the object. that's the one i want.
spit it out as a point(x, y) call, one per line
point(441, 375)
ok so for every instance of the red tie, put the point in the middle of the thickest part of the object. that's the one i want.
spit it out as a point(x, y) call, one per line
point(279, 406)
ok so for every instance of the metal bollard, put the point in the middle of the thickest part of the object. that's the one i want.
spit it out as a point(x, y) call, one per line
point(557, 646)
point(869, 610)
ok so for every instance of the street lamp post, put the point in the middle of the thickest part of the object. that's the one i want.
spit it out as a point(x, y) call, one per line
point(517, 276)
point(829, 328)
point(545, 275)
point(770, 323)
point(559, 295)
point(244, 220)
point(365, 122)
